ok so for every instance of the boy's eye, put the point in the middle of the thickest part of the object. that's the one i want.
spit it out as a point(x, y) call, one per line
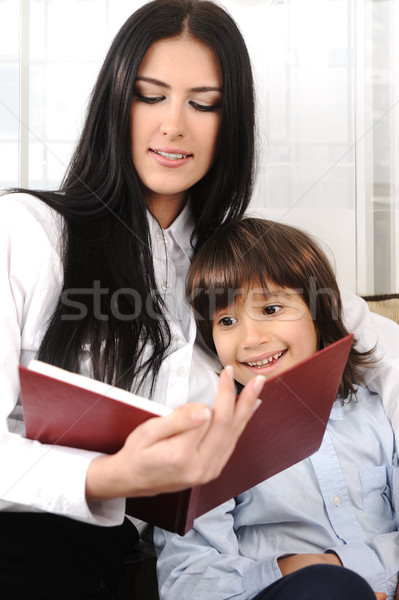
point(227, 321)
point(272, 309)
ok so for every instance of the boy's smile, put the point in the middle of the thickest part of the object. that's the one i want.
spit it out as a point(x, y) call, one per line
point(267, 360)
point(264, 333)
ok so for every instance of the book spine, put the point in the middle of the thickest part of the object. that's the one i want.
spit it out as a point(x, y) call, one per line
point(187, 510)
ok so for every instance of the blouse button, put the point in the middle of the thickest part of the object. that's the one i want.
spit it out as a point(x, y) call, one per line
point(65, 504)
point(337, 501)
point(181, 372)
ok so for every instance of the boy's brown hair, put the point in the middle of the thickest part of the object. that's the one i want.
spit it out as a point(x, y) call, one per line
point(248, 252)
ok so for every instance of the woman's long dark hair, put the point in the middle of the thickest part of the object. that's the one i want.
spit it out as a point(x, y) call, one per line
point(248, 252)
point(106, 241)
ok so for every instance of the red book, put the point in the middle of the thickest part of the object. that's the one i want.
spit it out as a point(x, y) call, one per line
point(71, 410)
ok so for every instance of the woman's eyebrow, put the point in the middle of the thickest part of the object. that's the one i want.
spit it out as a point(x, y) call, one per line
point(167, 86)
point(206, 89)
point(154, 81)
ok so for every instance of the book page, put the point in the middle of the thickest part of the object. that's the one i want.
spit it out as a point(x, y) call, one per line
point(98, 387)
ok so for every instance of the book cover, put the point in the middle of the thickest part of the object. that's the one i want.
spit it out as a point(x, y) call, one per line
point(69, 409)
point(287, 427)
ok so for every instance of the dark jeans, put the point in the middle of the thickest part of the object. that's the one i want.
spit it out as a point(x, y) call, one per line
point(319, 582)
point(46, 557)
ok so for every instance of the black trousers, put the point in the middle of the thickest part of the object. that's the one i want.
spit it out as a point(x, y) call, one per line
point(319, 582)
point(47, 557)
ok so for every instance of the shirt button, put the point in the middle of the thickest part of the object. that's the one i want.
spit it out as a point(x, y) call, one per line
point(181, 372)
point(165, 285)
point(175, 338)
point(65, 503)
point(337, 501)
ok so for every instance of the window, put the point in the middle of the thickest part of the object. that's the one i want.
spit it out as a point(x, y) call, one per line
point(327, 74)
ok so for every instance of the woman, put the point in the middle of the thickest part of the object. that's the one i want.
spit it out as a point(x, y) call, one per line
point(100, 290)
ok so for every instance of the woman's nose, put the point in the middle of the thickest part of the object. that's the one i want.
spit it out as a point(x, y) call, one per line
point(173, 123)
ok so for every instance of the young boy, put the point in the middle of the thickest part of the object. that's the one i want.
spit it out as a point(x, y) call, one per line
point(265, 298)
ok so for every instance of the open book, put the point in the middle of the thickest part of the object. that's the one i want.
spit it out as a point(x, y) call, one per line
point(72, 410)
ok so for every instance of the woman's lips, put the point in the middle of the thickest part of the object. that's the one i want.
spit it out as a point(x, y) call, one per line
point(171, 158)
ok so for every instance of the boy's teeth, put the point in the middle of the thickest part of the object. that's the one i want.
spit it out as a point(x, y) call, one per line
point(171, 156)
point(266, 361)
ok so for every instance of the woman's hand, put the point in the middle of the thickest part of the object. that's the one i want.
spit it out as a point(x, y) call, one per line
point(188, 447)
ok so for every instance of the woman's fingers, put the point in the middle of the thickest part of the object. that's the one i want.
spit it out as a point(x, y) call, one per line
point(230, 417)
point(231, 411)
point(184, 418)
point(188, 447)
point(248, 401)
point(192, 445)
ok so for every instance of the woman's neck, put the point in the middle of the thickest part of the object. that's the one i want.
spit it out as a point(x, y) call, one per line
point(166, 208)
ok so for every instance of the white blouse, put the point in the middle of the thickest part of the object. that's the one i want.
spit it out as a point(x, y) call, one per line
point(37, 477)
point(34, 476)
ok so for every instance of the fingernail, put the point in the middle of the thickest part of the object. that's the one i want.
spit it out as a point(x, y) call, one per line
point(257, 404)
point(203, 414)
point(230, 371)
point(259, 383)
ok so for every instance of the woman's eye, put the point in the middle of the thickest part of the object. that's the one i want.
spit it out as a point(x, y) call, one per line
point(150, 99)
point(272, 309)
point(227, 321)
point(204, 107)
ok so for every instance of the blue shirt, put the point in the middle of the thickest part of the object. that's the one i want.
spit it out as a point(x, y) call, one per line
point(340, 499)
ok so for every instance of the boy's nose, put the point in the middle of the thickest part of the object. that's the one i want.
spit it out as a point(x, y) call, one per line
point(256, 333)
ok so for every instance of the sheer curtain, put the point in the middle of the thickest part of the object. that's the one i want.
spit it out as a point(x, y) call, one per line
point(327, 74)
